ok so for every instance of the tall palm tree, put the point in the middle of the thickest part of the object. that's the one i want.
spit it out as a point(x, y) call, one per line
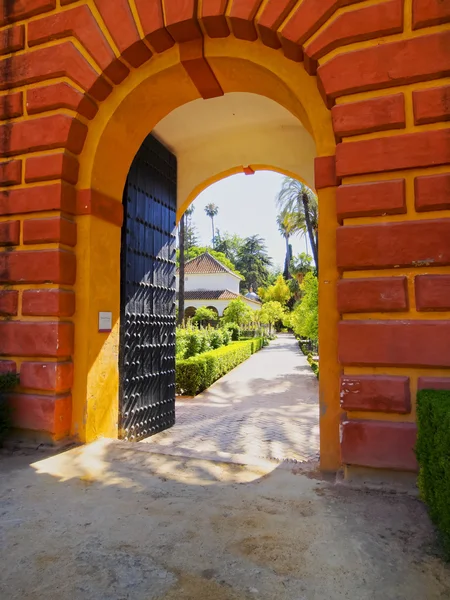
point(297, 199)
point(286, 226)
point(212, 211)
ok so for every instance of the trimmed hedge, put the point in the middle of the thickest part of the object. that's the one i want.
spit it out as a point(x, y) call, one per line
point(195, 374)
point(433, 454)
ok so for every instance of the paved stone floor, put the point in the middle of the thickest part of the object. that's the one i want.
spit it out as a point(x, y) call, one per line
point(265, 408)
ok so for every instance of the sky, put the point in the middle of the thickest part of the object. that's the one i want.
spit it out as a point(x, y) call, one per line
point(246, 207)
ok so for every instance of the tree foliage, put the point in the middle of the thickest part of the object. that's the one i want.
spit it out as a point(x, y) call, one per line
point(299, 204)
point(203, 314)
point(254, 262)
point(278, 292)
point(305, 317)
point(238, 312)
point(270, 313)
point(229, 244)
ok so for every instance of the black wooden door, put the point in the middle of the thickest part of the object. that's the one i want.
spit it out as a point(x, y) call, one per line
point(147, 325)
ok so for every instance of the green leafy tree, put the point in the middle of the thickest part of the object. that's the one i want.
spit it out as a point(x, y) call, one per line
point(212, 210)
point(229, 244)
point(271, 312)
point(301, 264)
point(278, 292)
point(254, 262)
point(238, 312)
point(204, 315)
point(190, 232)
point(305, 317)
point(300, 203)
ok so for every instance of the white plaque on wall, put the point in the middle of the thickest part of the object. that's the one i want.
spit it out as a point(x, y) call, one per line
point(104, 322)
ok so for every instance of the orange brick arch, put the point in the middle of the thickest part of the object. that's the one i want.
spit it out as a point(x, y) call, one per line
point(383, 70)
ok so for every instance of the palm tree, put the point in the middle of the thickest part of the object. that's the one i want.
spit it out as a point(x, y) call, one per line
point(297, 200)
point(212, 210)
point(286, 226)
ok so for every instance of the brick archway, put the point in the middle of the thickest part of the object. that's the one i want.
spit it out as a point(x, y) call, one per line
point(382, 69)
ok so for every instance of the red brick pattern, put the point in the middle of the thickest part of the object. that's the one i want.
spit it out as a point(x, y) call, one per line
point(377, 114)
point(424, 149)
point(59, 95)
point(432, 292)
point(377, 294)
point(430, 12)
point(49, 415)
point(12, 39)
point(358, 25)
point(11, 105)
point(38, 266)
point(55, 196)
point(119, 20)
point(56, 229)
point(48, 303)
point(152, 21)
point(21, 9)
point(395, 343)
point(9, 300)
point(48, 376)
point(378, 393)
point(11, 172)
point(433, 383)
point(325, 172)
point(273, 14)
point(7, 366)
point(9, 233)
point(432, 192)
point(404, 244)
point(46, 133)
point(19, 338)
point(431, 106)
point(60, 165)
point(379, 444)
point(386, 65)
point(371, 199)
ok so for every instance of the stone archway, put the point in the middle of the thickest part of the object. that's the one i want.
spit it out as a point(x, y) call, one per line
point(76, 80)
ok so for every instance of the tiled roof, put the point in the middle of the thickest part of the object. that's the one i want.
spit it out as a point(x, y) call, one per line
point(205, 264)
point(214, 295)
point(211, 295)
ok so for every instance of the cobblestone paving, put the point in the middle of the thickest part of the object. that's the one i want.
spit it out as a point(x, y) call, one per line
point(265, 408)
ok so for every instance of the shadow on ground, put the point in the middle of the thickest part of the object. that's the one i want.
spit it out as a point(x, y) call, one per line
point(112, 522)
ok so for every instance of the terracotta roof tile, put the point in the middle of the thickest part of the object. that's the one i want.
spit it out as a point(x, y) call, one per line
point(205, 264)
point(214, 295)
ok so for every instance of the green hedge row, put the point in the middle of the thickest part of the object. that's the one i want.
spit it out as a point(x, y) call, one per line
point(313, 364)
point(433, 454)
point(193, 375)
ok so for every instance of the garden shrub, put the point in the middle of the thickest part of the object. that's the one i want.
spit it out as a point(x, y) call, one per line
point(216, 339)
point(195, 374)
point(235, 331)
point(226, 336)
point(7, 382)
point(433, 455)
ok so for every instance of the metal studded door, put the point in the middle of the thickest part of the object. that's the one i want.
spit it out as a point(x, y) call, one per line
point(147, 330)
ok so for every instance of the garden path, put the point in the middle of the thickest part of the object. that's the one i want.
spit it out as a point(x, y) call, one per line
point(265, 408)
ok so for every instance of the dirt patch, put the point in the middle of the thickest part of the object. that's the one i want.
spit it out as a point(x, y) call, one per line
point(192, 587)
